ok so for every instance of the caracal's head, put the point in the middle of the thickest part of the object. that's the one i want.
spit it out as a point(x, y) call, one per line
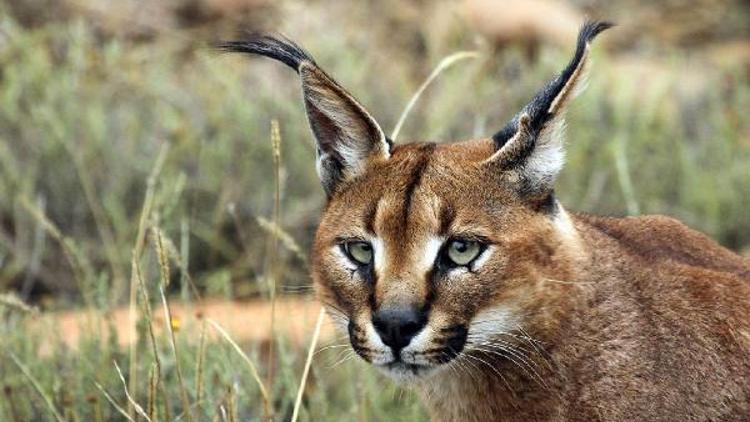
point(426, 252)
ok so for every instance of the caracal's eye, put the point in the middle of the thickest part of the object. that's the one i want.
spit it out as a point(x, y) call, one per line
point(462, 252)
point(359, 252)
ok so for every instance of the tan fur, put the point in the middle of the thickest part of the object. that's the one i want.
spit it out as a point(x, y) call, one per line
point(635, 318)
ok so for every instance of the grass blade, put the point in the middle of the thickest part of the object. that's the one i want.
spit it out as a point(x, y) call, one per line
point(275, 270)
point(444, 64)
point(308, 364)
point(37, 387)
point(250, 364)
point(112, 401)
point(173, 342)
point(148, 201)
point(132, 401)
point(200, 363)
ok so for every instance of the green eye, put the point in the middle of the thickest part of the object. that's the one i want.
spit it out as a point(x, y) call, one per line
point(359, 252)
point(462, 252)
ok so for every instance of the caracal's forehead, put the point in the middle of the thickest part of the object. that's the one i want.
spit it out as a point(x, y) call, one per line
point(422, 191)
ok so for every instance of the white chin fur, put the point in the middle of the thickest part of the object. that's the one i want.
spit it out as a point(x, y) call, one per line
point(405, 375)
point(491, 322)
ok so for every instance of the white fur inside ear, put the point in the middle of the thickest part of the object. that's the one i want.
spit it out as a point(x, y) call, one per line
point(319, 168)
point(548, 157)
point(353, 156)
point(343, 127)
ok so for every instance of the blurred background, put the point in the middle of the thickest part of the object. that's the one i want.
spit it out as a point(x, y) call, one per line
point(135, 160)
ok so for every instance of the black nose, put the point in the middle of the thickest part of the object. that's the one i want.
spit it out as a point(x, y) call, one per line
point(398, 325)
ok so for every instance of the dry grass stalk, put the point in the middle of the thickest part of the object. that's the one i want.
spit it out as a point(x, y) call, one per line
point(165, 402)
point(146, 303)
point(177, 257)
point(231, 405)
point(11, 301)
point(444, 64)
point(184, 255)
point(308, 364)
point(101, 222)
point(162, 255)
point(38, 387)
point(284, 237)
point(250, 365)
point(153, 385)
point(148, 202)
point(173, 343)
point(623, 175)
point(200, 363)
point(96, 404)
point(69, 248)
point(114, 404)
point(132, 401)
point(275, 270)
point(8, 393)
point(164, 267)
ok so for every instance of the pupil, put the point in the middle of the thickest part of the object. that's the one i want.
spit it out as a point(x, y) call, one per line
point(461, 246)
point(365, 247)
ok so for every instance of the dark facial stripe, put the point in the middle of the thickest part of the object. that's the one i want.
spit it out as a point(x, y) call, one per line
point(415, 178)
point(429, 296)
point(447, 214)
point(372, 301)
point(372, 275)
point(370, 214)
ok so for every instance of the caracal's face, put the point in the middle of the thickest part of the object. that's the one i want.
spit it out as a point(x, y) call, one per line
point(427, 256)
point(428, 253)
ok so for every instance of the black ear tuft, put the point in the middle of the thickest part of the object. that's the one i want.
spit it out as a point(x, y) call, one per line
point(591, 29)
point(277, 47)
point(530, 147)
point(542, 108)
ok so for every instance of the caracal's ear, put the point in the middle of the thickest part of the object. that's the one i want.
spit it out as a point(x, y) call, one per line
point(530, 147)
point(347, 135)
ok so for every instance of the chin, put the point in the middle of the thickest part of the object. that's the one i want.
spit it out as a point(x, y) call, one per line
point(407, 373)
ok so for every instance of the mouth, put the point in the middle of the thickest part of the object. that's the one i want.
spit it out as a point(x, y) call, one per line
point(406, 365)
point(403, 366)
point(405, 372)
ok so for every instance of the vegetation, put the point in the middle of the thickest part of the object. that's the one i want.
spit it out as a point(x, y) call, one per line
point(133, 172)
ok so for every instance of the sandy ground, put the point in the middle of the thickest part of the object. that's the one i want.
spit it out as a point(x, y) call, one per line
point(246, 322)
